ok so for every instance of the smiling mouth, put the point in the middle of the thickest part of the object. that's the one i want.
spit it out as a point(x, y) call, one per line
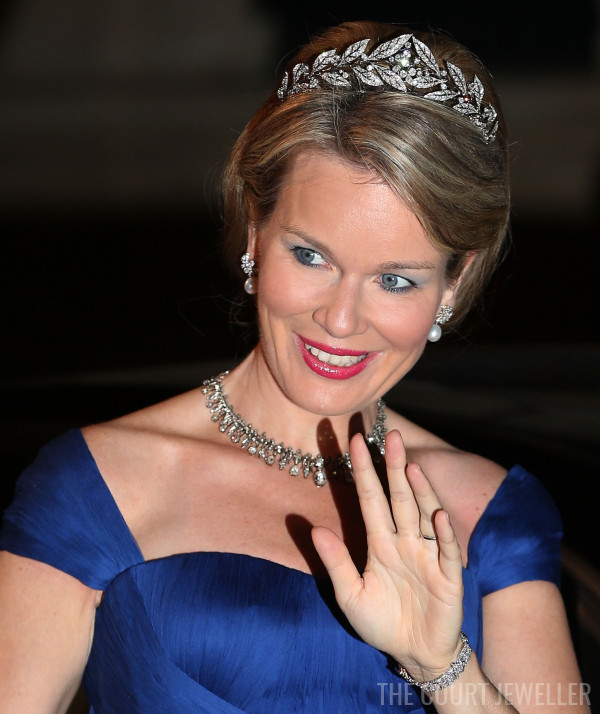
point(335, 360)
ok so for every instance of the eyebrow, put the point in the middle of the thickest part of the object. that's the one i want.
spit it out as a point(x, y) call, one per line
point(413, 265)
point(382, 267)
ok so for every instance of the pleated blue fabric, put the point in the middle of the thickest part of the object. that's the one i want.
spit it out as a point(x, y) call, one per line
point(224, 632)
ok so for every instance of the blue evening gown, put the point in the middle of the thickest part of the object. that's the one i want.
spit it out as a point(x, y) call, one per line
point(223, 633)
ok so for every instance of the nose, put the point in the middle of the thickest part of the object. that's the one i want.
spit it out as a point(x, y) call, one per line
point(342, 311)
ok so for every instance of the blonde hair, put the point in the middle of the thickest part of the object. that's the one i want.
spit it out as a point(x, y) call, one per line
point(429, 154)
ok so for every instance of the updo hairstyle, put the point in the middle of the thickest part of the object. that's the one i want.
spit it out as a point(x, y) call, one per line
point(434, 158)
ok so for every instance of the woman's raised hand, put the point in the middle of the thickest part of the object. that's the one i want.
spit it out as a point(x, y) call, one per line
point(408, 600)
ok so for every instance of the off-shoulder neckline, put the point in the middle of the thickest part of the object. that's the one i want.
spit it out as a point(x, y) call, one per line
point(514, 472)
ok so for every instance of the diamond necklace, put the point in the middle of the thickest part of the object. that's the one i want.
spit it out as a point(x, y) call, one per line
point(269, 451)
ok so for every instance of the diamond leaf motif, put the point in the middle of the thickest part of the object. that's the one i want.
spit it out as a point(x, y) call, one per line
point(465, 108)
point(441, 96)
point(298, 71)
point(458, 77)
point(337, 80)
point(422, 82)
point(325, 59)
point(476, 88)
point(284, 85)
point(426, 55)
point(354, 51)
point(390, 77)
point(389, 48)
point(368, 77)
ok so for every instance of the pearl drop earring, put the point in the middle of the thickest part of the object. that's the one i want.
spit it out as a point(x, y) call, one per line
point(444, 314)
point(248, 268)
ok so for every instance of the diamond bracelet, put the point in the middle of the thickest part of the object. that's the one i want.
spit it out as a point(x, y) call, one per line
point(449, 676)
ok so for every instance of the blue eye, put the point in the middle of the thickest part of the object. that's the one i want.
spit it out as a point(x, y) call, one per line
point(394, 283)
point(307, 256)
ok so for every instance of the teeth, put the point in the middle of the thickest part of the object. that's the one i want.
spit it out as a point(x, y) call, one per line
point(337, 360)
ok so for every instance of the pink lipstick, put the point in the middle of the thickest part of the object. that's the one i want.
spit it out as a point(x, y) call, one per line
point(333, 362)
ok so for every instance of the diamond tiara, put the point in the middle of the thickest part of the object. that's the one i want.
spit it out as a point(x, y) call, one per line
point(404, 64)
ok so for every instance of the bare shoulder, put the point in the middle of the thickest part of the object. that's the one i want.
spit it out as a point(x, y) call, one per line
point(180, 415)
point(464, 482)
point(154, 427)
point(144, 457)
point(149, 436)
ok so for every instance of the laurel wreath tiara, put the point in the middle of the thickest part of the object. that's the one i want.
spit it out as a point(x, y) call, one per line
point(406, 65)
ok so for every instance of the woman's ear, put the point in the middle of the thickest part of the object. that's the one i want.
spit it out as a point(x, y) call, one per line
point(453, 285)
point(252, 236)
point(252, 244)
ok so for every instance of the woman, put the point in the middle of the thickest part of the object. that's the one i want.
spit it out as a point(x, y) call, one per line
point(165, 555)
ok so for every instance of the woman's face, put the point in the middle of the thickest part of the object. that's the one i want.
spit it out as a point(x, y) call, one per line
point(348, 286)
